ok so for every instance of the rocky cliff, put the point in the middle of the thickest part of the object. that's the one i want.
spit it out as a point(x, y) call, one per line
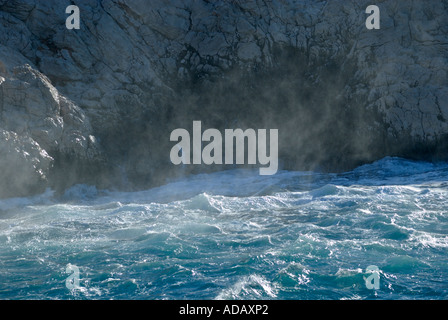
point(97, 105)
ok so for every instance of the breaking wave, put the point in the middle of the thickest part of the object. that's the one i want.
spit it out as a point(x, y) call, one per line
point(236, 235)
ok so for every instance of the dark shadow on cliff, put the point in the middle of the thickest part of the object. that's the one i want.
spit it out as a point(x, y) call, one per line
point(320, 128)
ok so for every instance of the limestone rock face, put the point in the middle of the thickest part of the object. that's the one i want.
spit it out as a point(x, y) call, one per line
point(35, 121)
point(25, 165)
point(32, 106)
point(340, 94)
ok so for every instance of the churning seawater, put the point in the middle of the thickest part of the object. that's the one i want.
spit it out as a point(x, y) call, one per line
point(236, 235)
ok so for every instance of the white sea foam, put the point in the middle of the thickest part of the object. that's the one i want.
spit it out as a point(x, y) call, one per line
point(293, 235)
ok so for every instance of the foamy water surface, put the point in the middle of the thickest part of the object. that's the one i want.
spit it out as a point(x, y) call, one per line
point(236, 235)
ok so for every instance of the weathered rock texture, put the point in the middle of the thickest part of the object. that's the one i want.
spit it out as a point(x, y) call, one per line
point(111, 92)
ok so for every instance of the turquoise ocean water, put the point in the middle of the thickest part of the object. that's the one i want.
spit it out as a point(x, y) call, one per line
point(236, 235)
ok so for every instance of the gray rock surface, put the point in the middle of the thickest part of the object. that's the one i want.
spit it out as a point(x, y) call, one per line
point(35, 121)
point(340, 94)
point(25, 165)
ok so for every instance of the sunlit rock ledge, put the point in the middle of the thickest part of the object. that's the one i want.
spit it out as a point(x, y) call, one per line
point(101, 101)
